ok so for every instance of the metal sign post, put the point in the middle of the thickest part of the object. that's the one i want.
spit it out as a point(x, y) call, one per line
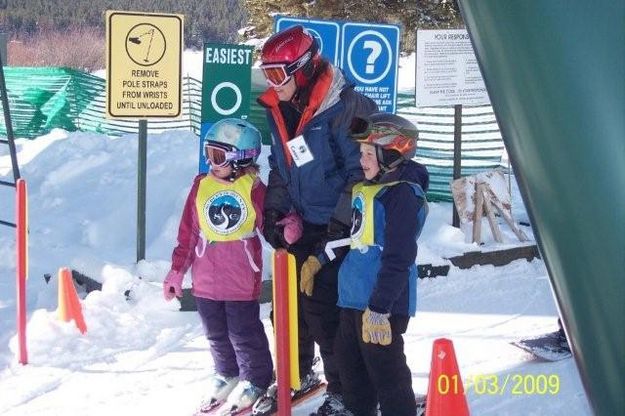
point(3, 47)
point(141, 187)
point(455, 221)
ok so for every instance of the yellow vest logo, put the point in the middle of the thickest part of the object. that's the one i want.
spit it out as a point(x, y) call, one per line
point(362, 214)
point(363, 227)
point(225, 212)
point(358, 212)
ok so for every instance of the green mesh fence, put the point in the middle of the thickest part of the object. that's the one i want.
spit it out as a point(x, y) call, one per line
point(45, 98)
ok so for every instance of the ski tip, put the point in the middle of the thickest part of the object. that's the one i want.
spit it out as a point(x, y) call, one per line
point(207, 409)
point(543, 354)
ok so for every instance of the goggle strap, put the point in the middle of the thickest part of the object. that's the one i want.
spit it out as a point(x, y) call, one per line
point(231, 155)
point(360, 130)
point(242, 154)
point(304, 59)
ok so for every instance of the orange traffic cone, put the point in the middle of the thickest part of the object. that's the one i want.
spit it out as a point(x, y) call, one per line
point(69, 304)
point(445, 391)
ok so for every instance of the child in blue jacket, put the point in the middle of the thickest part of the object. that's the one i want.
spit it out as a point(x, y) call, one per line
point(378, 278)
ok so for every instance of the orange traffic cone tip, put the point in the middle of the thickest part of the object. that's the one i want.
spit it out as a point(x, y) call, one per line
point(445, 390)
point(69, 305)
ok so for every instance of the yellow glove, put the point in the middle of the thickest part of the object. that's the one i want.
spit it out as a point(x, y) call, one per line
point(376, 328)
point(307, 275)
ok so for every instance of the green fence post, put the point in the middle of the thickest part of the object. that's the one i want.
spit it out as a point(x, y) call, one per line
point(141, 187)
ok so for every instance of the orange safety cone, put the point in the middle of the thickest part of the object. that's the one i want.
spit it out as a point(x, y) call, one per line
point(445, 391)
point(69, 304)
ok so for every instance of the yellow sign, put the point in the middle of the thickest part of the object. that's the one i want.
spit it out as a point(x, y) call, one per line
point(143, 62)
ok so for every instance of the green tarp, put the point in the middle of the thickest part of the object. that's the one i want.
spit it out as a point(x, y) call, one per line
point(555, 73)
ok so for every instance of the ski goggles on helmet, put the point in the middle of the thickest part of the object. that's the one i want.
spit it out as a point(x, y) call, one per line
point(219, 154)
point(380, 135)
point(387, 136)
point(278, 74)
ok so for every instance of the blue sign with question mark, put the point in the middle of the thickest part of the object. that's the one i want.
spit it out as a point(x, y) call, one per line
point(370, 56)
point(325, 32)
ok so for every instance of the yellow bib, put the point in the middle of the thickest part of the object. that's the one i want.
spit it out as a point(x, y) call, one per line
point(225, 211)
point(362, 232)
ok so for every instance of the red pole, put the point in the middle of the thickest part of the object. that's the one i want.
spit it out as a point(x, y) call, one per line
point(21, 211)
point(281, 316)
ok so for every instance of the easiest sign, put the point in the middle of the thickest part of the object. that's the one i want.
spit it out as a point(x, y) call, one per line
point(143, 61)
point(226, 87)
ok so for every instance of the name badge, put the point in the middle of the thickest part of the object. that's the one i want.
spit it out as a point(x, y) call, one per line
point(299, 151)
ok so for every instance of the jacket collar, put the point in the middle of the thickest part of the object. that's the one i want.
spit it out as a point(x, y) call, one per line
point(326, 93)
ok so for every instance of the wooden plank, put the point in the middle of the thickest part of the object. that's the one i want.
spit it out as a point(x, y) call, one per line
point(430, 271)
point(495, 258)
point(517, 231)
point(477, 216)
point(489, 214)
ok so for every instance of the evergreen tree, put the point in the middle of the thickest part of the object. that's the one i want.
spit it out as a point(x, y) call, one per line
point(409, 14)
point(219, 20)
point(205, 21)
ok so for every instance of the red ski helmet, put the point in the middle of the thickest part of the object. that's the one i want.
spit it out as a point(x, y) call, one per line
point(291, 52)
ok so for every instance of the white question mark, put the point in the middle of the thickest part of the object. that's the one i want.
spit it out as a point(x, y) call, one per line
point(376, 49)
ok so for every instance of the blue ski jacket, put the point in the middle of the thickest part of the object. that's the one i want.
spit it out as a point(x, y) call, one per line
point(383, 276)
point(320, 189)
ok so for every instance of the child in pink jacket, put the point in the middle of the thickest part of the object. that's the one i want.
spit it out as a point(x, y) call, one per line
point(218, 240)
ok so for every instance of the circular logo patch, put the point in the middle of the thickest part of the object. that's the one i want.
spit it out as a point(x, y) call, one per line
point(358, 212)
point(225, 212)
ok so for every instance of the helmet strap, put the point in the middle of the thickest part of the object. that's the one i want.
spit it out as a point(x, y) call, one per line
point(303, 73)
point(306, 84)
point(387, 167)
point(236, 172)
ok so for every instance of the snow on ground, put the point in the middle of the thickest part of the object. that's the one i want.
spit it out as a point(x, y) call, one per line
point(142, 356)
point(145, 356)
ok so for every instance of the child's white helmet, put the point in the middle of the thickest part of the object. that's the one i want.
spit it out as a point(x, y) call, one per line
point(232, 140)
